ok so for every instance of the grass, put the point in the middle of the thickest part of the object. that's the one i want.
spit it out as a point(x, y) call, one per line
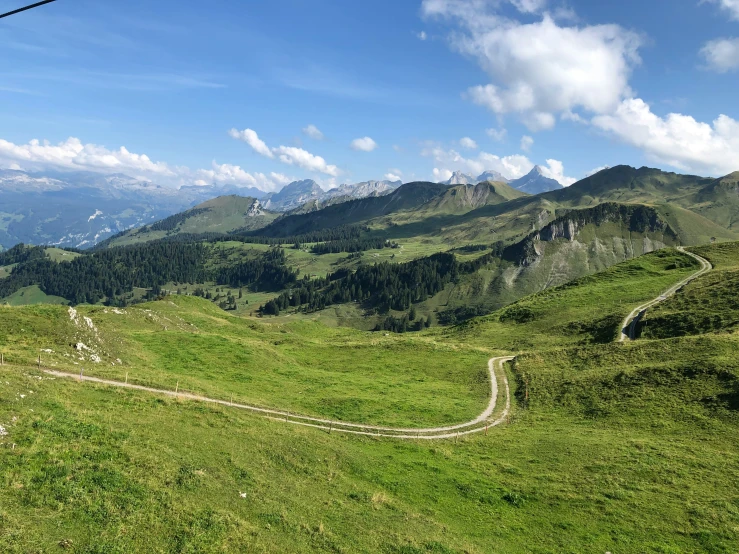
point(301, 366)
point(626, 448)
point(586, 310)
point(707, 305)
point(105, 470)
point(32, 295)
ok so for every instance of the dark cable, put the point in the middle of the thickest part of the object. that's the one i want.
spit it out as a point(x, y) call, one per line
point(19, 10)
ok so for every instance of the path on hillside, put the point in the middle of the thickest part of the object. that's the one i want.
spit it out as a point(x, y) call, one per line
point(628, 327)
point(481, 423)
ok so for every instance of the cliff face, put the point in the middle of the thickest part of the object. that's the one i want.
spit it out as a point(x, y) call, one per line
point(635, 219)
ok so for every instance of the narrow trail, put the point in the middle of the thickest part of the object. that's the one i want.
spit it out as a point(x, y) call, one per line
point(628, 327)
point(481, 423)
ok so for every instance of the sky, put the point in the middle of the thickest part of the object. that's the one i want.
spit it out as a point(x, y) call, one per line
point(263, 93)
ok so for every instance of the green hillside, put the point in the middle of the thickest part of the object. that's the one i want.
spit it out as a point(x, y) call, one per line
point(221, 215)
point(610, 447)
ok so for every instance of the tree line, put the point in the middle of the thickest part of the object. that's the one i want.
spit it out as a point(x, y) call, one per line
point(382, 287)
point(108, 275)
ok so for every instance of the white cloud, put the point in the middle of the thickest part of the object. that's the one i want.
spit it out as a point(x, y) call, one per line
point(513, 166)
point(596, 170)
point(441, 174)
point(555, 170)
point(422, 35)
point(529, 6)
point(722, 54)
point(392, 177)
point(227, 174)
point(677, 140)
point(526, 143)
point(541, 69)
point(364, 144)
point(251, 138)
point(732, 6)
point(73, 155)
point(497, 134)
point(290, 155)
point(467, 142)
point(313, 132)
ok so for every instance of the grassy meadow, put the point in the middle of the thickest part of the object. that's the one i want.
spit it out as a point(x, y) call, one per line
point(622, 448)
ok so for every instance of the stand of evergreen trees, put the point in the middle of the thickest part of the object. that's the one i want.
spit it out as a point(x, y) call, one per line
point(351, 245)
point(382, 286)
point(110, 274)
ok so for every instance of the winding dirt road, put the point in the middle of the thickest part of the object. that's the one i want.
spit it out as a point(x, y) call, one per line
point(628, 327)
point(481, 423)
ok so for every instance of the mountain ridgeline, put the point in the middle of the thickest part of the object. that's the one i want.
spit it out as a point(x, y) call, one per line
point(446, 251)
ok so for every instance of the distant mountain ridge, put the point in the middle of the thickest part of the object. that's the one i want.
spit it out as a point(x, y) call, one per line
point(81, 209)
point(535, 182)
point(298, 193)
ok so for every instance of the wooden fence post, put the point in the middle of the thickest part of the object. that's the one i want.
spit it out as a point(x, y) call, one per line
point(126, 377)
point(177, 387)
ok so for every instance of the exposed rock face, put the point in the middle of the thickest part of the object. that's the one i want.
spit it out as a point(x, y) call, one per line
point(255, 209)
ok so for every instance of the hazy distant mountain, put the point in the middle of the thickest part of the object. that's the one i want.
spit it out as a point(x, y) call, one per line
point(293, 195)
point(459, 178)
point(364, 189)
point(535, 182)
point(493, 176)
point(82, 208)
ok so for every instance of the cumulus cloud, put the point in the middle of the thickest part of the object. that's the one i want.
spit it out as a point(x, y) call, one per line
point(227, 174)
point(731, 6)
point(251, 138)
point(364, 144)
point(497, 134)
point(721, 55)
point(467, 142)
point(392, 177)
point(74, 155)
point(526, 143)
point(510, 166)
point(313, 132)
point(441, 174)
point(289, 155)
point(555, 170)
point(292, 155)
point(677, 140)
point(541, 69)
point(529, 6)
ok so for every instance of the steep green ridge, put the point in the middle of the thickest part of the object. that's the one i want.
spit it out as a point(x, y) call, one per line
point(224, 214)
point(611, 447)
point(405, 197)
point(707, 305)
point(463, 198)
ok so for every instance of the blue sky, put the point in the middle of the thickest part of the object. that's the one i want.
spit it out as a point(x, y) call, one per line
point(223, 91)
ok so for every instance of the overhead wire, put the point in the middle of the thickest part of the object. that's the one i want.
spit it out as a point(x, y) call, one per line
point(19, 10)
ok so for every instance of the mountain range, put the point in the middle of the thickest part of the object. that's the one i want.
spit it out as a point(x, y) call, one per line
point(81, 209)
point(535, 182)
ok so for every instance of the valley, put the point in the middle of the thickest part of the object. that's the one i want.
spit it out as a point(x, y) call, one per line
point(433, 369)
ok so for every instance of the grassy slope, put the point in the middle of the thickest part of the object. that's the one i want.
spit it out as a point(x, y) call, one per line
point(303, 366)
point(613, 447)
point(218, 215)
point(709, 305)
